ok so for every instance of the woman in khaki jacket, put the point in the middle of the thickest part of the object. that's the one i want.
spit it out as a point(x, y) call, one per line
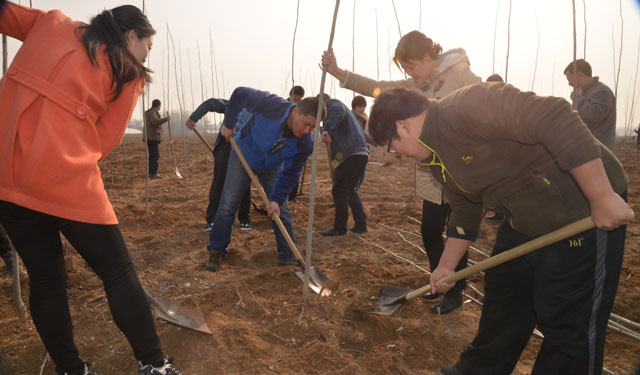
point(434, 74)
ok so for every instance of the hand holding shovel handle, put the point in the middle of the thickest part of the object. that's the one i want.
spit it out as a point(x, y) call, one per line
point(518, 251)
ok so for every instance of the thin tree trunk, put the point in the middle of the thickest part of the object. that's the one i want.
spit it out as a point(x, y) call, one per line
point(575, 48)
point(397, 20)
point(353, 42)
point(584, 8)
point(620, 54)
point(293, 48)
point(506, 70)
point(535, 68)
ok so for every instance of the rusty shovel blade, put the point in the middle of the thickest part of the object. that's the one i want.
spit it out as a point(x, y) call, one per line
point(181, 316)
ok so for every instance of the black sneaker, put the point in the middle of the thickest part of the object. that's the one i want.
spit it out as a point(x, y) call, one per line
point(214, 261)
point(166, 369)
point(449, 302)
point(431, 296)
point(333, 232)
point(450, 370)
point(496, 218)
point(84, 371)
point(207, 228)
point(245, 226)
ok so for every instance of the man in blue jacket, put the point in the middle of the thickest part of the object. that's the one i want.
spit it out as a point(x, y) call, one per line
point(276, 142)
point(349, 156)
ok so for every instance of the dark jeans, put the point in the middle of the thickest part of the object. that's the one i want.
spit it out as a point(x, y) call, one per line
point(566, 289)
point(434, 220)
point(348, 177)
point(237, 181)
point(154, 156)
point(36, 238)
point(220, 161)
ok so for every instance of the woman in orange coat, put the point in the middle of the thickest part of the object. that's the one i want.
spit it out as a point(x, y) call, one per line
point(64, 104)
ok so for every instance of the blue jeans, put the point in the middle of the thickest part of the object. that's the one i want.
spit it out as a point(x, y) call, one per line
point(235, 185)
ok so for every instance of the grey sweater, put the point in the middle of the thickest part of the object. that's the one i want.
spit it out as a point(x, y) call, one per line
point(597, 108)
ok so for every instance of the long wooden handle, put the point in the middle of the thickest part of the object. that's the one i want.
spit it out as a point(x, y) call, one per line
point(330, 162)
point(258, 186)
point(203, 139)
point(518, 251)
point(173, 154)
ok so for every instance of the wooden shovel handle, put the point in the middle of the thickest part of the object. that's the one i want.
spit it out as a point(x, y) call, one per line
point(330, 162)
point(203, 139)
point(518, 251)
point(258, 186)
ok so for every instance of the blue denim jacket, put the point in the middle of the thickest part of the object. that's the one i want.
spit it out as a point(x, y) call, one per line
point(347, 137)
point(261, 138)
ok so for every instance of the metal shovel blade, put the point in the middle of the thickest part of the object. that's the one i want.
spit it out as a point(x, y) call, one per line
point(178, 173)
point(181, 316)
point(317, 281)
point(391, 300)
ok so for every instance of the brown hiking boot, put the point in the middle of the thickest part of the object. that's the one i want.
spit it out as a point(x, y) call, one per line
point(214, 261)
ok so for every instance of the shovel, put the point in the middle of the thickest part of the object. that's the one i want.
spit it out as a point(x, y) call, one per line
point(391, 299)
point(173, 154)
point(181, 316)
point(318, 281)
point(253, 203)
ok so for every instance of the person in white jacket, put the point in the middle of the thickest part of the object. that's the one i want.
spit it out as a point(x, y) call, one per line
point(434, 74)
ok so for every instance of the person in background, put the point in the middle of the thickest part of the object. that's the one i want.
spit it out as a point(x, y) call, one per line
point(594, 101)
point(295, 96)
point(66, 100)
point(350, 155)
point(434, 74)
point(358, 107)
point(276, 142)
point(153, 132)
point(221, 151)
point(491, 144)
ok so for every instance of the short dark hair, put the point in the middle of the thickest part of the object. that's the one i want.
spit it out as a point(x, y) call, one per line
point(155, 103)
point(309, 106)
point(581, 67)
point(296, 90)
point(393, 105)
point(325, 96)
point(495, 78)
point(357, 101)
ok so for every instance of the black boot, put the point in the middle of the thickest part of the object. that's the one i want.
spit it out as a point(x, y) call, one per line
point(451, 301)
point(214, 261)
point(333, 232)
point(6, 256)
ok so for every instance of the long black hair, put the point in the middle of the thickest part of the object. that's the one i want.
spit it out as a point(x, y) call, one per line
point(108, 28)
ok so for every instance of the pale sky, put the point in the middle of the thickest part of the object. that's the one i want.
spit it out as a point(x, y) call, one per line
point(252, 41)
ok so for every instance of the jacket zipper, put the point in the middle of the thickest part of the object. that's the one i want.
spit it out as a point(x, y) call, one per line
point(437, 161)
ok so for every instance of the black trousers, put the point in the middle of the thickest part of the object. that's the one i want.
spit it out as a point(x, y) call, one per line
point(434, 220)
point(36, 238)
point(348, 177)
point(566, 289)
point(220, 161)
point(154, 156)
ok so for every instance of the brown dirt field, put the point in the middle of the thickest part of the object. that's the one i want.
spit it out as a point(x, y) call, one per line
point(254, 308)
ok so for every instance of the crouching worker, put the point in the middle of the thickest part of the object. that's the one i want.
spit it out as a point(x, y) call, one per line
point(349, 156)
point(532, 158)
point(276, 142)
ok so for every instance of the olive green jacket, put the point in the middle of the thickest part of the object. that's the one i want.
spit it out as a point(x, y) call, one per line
point(153, 125)
point(511, 151)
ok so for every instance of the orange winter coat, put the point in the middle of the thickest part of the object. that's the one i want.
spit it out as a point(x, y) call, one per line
point(57, 119)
